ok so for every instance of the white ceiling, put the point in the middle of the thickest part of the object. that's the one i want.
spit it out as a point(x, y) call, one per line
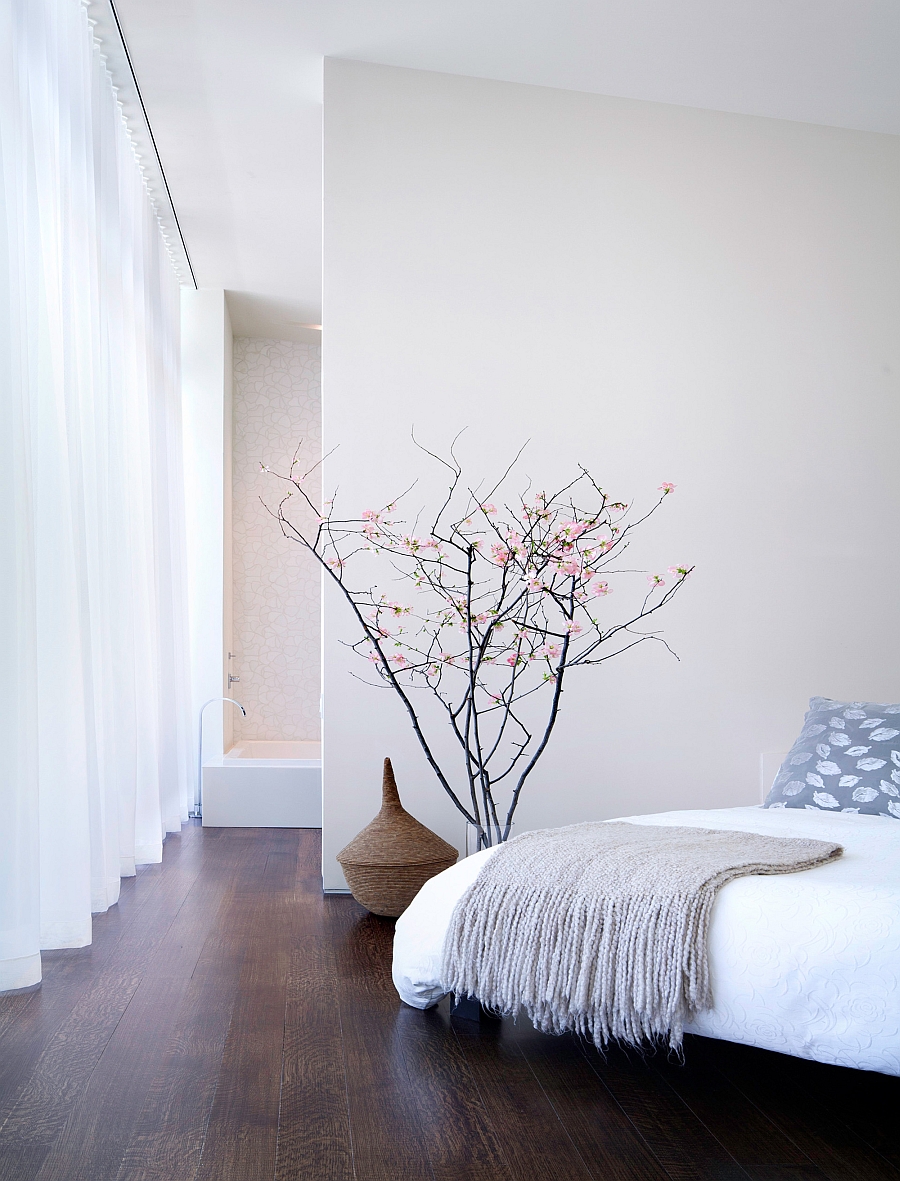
point(234, 94)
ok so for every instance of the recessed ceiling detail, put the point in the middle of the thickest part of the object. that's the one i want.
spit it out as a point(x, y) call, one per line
point(234, 96)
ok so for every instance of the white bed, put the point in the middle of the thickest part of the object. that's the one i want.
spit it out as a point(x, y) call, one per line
point(806, 964)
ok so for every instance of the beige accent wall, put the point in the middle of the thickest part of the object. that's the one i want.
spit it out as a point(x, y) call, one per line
point(276, 588)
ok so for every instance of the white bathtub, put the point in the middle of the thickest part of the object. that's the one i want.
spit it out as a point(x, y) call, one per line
point(264, 784)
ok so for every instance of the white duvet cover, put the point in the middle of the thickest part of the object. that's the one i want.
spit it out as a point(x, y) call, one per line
point(806, 963)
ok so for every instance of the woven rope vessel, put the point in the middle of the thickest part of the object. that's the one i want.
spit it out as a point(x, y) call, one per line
point(393, 857)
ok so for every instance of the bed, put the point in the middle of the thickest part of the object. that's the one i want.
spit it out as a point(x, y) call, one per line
point(805, 964)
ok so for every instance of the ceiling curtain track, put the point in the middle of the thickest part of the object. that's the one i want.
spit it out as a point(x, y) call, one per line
point(94, 713)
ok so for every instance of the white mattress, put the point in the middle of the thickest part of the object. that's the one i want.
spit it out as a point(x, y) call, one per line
point(806, 963)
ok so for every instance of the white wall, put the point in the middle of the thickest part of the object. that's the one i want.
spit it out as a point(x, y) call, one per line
point(277, 599)
point(206, 352)
point(660, 293)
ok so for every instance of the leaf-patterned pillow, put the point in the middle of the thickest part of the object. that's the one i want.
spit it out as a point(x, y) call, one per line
point(847, 759)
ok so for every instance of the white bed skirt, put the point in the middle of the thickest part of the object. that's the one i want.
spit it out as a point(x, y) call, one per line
point(805, 964)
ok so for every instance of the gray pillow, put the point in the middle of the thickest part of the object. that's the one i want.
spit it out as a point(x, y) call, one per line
point(847, 759)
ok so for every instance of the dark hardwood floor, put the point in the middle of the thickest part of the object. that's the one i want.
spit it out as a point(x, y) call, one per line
point(231, 1024)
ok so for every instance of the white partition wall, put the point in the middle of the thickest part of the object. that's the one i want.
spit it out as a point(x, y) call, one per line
point(206, 359)
point(661, 293)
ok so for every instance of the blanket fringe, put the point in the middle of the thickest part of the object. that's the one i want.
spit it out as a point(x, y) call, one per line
point(604, 932)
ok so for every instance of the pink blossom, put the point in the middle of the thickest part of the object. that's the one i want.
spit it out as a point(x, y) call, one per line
point(370, 514)
point(399, 659)
point(680, 571)
point(572, 529)
point(656, 580)
point(666, 487)
point(574, 628)
point(500, 554)
point(571, 568)
point(490, 509)
point(512, 659)
point(600, 588)
point(514, 542)
point(535, 585)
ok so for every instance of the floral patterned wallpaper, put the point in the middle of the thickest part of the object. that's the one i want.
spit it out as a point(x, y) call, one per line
point(277, 405)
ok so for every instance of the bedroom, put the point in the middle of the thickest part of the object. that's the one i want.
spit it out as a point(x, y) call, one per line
point(673, 259)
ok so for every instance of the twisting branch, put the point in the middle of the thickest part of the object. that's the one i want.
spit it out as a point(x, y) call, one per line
point(507, 598)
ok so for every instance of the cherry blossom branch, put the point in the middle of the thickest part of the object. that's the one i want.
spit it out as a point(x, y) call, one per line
point(522, 582)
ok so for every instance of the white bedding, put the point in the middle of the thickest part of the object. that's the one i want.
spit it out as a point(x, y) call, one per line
point(806, 964)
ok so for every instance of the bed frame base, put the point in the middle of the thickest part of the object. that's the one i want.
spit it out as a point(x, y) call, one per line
point(470, 1008)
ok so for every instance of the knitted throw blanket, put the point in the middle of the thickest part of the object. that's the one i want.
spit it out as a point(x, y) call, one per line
point(602, 927)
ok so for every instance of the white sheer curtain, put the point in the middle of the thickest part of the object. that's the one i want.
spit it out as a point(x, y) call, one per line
point(94, 723)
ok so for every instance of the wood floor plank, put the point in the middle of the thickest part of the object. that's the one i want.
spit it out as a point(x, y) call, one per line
point(763, 1149)
point(314, 1137)
point(59, 1075)
point(168, 1137)
point(13, 1007)
point(865, 1102)
point(457, 1133)
point(596, 1124)
point(104, 1116)
point(683, 1146)
point(241, 1137)
point(387, 1136)
point(790, 1100)
point(530, 1134)
point(169, 1132)
point(69, 974)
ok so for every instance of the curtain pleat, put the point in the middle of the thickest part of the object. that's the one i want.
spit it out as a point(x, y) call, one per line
point(94, 713)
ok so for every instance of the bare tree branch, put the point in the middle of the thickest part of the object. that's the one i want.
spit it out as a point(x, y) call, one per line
point(519, 584)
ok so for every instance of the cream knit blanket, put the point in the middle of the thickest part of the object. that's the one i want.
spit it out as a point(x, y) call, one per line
point(602, 927)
